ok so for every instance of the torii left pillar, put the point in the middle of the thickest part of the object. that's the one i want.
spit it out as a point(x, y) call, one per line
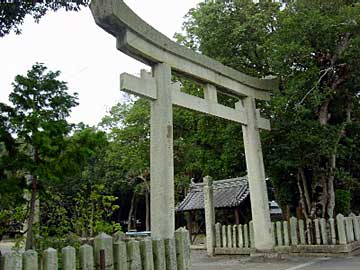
point(162, 200)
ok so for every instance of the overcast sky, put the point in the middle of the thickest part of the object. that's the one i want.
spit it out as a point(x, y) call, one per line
point(84, 53)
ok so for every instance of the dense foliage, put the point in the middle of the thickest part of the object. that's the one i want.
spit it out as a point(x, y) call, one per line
point(313, 47)
point(12, 13)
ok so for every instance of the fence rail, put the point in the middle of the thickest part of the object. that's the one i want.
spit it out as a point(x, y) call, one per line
point(110, 253)
point(295, 232)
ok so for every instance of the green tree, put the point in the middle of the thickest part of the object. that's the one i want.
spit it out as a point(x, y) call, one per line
point(41, 105)
point(12, 13)
point(312, 46)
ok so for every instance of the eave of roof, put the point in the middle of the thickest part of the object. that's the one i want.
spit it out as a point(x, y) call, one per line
point(228, 193)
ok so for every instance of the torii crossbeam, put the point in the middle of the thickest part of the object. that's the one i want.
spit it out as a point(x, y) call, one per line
point(139, 40)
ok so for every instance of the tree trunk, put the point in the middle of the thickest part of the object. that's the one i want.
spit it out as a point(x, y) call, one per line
point(331, 190)
point(304, 192)
point(129, 227)
point(30, 240)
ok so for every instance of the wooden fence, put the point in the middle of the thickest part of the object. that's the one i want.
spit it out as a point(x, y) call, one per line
point(110, 253)
point(295, 233)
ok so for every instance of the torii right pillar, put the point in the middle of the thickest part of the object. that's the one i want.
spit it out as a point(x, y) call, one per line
point(256, 176)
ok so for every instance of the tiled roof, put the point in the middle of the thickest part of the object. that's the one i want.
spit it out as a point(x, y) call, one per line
point(227, 193)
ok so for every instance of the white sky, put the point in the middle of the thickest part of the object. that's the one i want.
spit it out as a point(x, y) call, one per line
point(85, 54)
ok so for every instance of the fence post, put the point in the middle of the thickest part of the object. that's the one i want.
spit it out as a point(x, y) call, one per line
point(279, 233)
point(246, 236)
point(309, 231)
point(349, 229)
point(286, 233)
point(332, 231)
point(240, 236)
point(30, 260)
point(209, 215)
point(356, 226)
point(229, 236)
point(302, 232)
point(224, 236)
point(170, 254)
point(183, 249)
point(68, 258)
point(341, 229)
point(159, 254)
point(218, 234)
point(317, 231)
point(234, 234)
point(293, 231)
point(50, 259)
point(120, 254)
point(252, 234)
point(146, 254)
point(86, 257)
point(105, 242)
point(323, 229)
point(133, 250)
point(12, 261)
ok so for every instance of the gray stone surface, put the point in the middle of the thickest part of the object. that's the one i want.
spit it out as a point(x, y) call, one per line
point(279, 234)
point(12, 261)
point(246, 236)
point(120, 255)
point(349, 229)
point(30, 260)
point(224, 236)
point(86, 255)
point(340, 223)
point(332, 231)
point(104, 242)
point(308, 231)
point(146, 254)
point(50, 259)
point(170, 254)
point(293, 231)
point(229, 236)
point(234, 235)
point(323, 229)
point(317, 231)
point(134, 258)
point(209, 215)
point(256, 175)
point(252, 234)
point(356, 227)
point(240, 236)
point(159, 254)
point(162, 200)
point(68, 258)
point(218, 235)
point(302, 232)
point(183, 249)
point(286, 233)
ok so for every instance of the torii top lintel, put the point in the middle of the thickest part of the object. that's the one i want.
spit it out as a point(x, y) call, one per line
point(138, 39)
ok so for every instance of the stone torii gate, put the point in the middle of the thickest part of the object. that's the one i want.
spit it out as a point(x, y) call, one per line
point(138, 39)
